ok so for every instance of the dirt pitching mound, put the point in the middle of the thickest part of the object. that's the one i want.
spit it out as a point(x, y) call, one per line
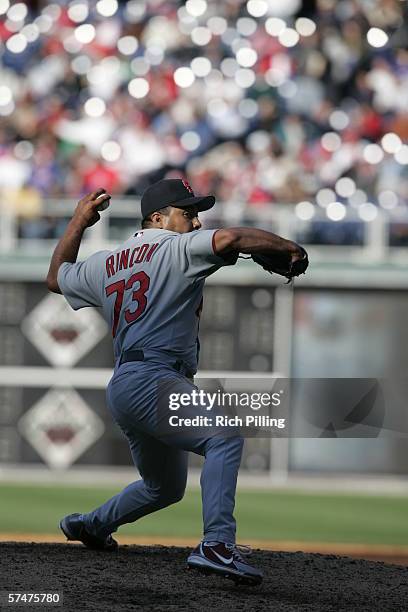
point(156, 578)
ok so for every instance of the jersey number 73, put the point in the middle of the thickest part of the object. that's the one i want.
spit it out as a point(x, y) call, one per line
point(138, 295)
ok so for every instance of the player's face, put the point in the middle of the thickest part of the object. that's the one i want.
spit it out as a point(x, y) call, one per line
point(182, 220)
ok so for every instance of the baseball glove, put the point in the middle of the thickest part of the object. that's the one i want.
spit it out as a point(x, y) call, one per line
point(282, 264)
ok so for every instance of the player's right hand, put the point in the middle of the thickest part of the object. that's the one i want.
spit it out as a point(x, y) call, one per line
point(86, 212)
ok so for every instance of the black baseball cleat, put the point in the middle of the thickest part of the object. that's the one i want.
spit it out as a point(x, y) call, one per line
point(225, 560)
point(74, 529)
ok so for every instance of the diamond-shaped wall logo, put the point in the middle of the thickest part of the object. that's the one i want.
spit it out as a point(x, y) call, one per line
point(61, 426)
point(62, 335)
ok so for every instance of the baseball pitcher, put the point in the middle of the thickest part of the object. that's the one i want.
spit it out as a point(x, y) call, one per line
point(150, 292)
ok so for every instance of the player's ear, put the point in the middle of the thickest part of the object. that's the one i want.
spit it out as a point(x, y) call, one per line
point(157, 220)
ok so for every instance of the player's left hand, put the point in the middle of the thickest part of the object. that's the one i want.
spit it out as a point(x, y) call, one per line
point(86, 212)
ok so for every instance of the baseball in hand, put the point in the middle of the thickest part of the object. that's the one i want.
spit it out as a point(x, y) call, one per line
point(103, 205)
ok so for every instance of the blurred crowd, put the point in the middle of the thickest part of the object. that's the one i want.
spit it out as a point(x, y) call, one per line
point(258, 102)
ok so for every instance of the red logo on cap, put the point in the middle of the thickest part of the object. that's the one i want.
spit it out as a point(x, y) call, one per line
point(187, 186)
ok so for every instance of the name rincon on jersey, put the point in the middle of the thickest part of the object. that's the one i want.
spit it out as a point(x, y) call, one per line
point(126, 259)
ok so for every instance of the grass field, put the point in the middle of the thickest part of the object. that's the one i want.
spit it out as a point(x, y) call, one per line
point(261, 515)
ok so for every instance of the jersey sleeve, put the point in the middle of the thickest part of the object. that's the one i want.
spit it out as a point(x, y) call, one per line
point(81, 283)
point(195, 254)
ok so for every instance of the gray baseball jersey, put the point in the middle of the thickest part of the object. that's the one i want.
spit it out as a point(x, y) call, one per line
point(150, 289)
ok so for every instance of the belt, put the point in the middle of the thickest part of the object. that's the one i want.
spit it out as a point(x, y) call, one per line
point(138, 355)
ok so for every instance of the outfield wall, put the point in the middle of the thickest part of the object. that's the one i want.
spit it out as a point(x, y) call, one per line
point(345, 318)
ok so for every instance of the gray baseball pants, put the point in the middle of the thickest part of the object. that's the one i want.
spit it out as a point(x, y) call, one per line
point(132, 398)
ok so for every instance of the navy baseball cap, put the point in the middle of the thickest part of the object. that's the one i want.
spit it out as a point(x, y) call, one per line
point(173, 192)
